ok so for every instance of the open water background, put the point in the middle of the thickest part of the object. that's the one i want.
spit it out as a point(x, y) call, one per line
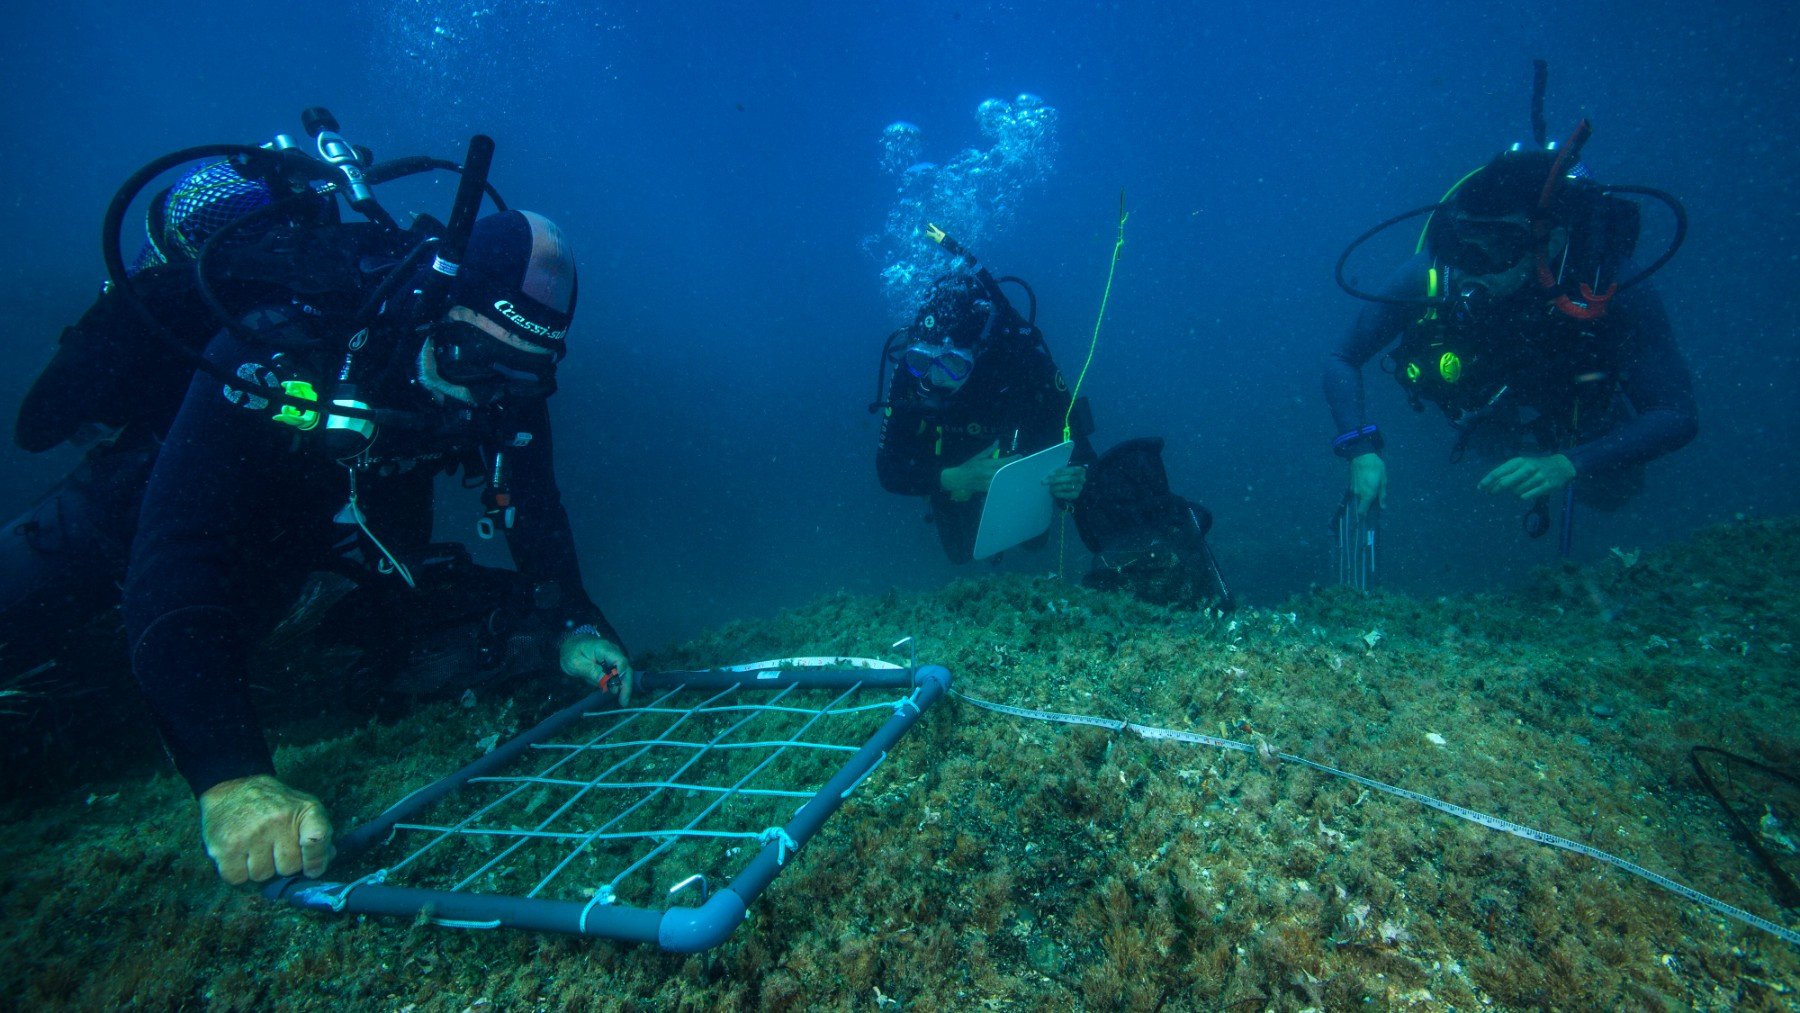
point(719, 170)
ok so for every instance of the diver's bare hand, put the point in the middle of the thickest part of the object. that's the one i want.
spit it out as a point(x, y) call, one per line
point(594, 659)
point(1529, 477)
point(1368, 482)
point(256, 828)
point(972, 477)
point(1066, 483)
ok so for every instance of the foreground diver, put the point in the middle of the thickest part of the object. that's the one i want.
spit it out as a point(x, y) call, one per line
point(275, 465)
point(113, 387)
point(970, 388)
point(1522, 317)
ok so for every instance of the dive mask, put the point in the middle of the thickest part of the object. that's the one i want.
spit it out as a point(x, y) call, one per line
point(939, 367)
point(1485, 246)
point(492, 363)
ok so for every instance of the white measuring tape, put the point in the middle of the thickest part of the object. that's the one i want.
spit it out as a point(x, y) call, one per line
point(1491, 822)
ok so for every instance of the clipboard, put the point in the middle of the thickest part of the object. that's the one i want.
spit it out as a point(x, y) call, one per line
point(1019, 506)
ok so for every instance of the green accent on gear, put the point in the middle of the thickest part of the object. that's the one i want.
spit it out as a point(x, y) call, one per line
point(299, 418)
point(1450, 367)
point(1094, 343)
point(1447, 195)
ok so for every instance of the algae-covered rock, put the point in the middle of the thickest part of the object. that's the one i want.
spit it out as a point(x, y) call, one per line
point(1000, 861)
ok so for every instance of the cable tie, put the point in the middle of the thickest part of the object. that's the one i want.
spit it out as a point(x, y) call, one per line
point(779, 836)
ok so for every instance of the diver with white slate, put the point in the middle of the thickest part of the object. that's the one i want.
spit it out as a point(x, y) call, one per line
point(977, 418)
point(970, 387)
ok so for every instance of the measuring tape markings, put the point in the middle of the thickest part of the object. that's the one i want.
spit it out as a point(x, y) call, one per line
point(1153, 733)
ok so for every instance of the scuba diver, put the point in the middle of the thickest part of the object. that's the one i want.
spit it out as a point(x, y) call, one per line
point(340, 368)
point(1522, 316)
point(113, 387)
point(970, 386)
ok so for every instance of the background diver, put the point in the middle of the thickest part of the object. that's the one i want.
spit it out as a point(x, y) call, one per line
point(1523, 318)
point(271, 464)
point(970, 386)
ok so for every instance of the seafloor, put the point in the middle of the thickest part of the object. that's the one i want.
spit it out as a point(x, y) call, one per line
point(999, 863)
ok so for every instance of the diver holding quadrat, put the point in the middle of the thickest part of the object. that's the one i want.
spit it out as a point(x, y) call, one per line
point(325, 374)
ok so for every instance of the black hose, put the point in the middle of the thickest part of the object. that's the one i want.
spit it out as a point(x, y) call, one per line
point(1344, 258)
point(473, 185)
point(881, 368)
point(413, 165)
point(110, 251)
point(1681, 227)
point(113, 223)
point(365, 314)
point(1030, 317)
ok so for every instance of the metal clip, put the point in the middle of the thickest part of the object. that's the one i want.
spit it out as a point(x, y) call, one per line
point(705, 891)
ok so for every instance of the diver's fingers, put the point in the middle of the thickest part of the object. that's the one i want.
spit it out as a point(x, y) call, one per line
point(262, 862)
point(1505, 477)
point(315, 842)
point(287, 854)
point(1538, 484)
point(233, 866)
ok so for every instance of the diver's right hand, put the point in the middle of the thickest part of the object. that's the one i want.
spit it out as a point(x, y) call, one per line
point(1368, 482)
point(972, 477)
point(256, 827)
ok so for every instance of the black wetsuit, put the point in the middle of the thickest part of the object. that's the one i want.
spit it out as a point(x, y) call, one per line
point(1610, 394)
point(1015, 397)
point(61, 561)
point(240, 509)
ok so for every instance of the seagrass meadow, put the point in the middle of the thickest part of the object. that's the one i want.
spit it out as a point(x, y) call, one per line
point(995, 862)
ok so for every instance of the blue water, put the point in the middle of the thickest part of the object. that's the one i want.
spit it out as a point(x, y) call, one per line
point(721, 174)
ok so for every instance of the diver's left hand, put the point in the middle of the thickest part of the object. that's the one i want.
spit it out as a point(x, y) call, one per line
point(589, 656)
point(1529, 477)
point(1066, 483)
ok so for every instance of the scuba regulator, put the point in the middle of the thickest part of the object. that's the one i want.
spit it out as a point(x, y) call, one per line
point(299, 180)
point(304, 183)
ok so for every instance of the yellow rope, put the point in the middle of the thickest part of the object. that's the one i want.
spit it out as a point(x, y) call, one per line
point(1094, 343)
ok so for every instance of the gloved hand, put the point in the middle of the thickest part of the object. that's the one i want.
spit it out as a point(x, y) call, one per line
point(1066, 483)
point(589, 657)
point(1368, 482)
point(1529, 477)
point(256, 827)
point(972, 477)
